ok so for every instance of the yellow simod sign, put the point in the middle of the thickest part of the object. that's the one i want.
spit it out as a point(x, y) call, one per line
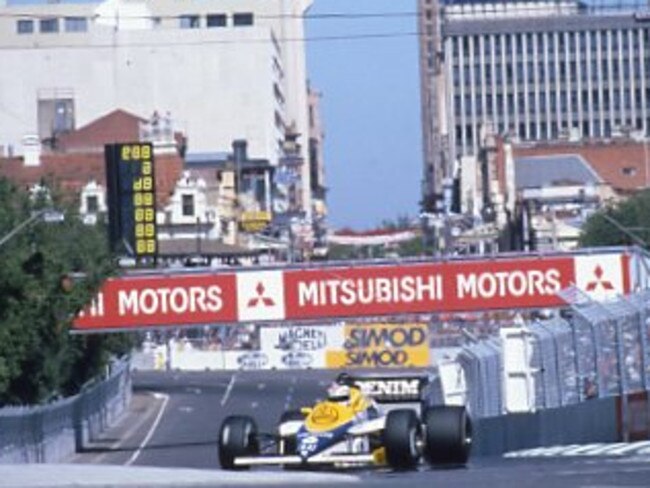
point(381, 346)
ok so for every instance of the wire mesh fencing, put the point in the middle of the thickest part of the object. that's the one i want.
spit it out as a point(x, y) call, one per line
point(595, 350)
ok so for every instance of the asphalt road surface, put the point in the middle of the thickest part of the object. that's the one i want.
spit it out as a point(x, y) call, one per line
point(175, 418)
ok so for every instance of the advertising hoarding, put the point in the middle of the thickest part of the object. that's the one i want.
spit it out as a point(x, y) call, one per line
point(298, 346)
point(381, 346)
point(370, 290)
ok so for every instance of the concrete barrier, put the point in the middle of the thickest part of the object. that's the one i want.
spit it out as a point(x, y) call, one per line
point(586, 422)
point(52, 432)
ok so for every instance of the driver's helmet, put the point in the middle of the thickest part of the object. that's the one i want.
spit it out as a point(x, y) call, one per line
point(338, 393)
point(345, 379)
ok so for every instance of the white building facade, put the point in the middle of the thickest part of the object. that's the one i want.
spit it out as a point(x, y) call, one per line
point(225, 69)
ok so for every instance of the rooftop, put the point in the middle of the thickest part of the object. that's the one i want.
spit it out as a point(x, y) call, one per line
point(622, 164)
point(554, 170)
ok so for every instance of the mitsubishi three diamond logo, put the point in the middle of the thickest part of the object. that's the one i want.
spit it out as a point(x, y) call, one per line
point(260, 299)
point(260, 296)
point(600, 276)
point(599, 281)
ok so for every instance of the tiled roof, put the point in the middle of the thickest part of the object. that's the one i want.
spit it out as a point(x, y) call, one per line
point(71, 172)
point(79, 158)
point(114, 127)
point(624, 165)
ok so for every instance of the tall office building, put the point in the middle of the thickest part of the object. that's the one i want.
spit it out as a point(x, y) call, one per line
point(535, 70)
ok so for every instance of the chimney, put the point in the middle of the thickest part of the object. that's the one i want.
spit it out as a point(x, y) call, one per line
point(239, 149)
point(31, 150)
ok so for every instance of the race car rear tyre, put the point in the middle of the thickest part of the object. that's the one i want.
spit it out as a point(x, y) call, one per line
point(400, 440)
point(237, 437)
point(447, 435)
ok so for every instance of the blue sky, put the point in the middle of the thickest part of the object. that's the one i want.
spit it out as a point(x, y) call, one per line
point(371, 111)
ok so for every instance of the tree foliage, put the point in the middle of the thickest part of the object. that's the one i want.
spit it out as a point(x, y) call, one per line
point(627, 223)
point(39, 359)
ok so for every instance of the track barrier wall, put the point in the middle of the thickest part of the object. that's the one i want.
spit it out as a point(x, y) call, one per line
point(332, 346)
point(586, 422)
point(53, 432)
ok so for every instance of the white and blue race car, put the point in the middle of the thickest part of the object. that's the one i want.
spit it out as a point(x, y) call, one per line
point(359, 424)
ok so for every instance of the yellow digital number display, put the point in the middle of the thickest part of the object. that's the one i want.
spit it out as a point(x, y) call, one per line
point(143, 196)
point(131, 195)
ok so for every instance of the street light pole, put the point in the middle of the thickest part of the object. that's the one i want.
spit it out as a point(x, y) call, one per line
point(43, 213)
point(638, 240)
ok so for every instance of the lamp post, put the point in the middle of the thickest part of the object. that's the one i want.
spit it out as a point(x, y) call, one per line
point(635, 237)
point(46, 214)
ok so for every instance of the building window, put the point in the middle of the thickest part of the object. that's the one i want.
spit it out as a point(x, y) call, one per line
point(24, 26)
point(92, 204)
point(189, 22)
point(48, 26)
point(76, 24)
point(242, 19)
point(55, 116)
point(217, 20)
point(188, 205)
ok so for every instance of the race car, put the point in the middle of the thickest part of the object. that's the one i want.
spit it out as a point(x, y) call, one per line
point(361, 423)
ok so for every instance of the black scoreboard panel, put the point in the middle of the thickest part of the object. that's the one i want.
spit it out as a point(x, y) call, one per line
point(131, 189)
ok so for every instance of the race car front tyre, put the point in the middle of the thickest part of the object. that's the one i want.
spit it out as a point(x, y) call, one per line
point(400, 440)
point(447, 435)
point(237, 437)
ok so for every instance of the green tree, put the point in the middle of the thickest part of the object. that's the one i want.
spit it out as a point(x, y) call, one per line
point(626, 223)
point(39, 359)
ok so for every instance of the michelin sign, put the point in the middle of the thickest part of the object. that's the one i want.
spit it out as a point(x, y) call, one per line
point(299, 347)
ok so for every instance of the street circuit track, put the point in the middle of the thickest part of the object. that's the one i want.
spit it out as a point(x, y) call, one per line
point(181, 426)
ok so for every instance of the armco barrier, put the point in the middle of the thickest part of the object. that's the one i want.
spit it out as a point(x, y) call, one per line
point(590, 421)
point(51, 433)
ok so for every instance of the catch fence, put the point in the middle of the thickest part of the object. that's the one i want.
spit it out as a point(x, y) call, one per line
point(53, 432)
point(595, 350)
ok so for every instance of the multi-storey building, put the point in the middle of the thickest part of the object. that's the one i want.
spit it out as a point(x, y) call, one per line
point(221, 67)
point(535, 70)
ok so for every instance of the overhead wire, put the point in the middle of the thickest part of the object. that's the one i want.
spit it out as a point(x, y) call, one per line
point(199, 42)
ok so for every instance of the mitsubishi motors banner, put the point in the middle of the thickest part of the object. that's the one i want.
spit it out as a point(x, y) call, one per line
point(298, 346)
point(381, 346)
point(371, 290)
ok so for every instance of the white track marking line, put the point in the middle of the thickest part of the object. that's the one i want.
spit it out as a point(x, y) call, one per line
point(228, 390)
point(584, 450)
point(153, 428)
point(630, 447)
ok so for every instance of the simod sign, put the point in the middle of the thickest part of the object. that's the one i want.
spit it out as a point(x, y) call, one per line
point(370, 290)
point(381, 346)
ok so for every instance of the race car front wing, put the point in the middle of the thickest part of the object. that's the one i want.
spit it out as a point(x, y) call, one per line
point(322, 458)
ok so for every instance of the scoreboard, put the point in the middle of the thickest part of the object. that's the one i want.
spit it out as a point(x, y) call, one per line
point(131, 186)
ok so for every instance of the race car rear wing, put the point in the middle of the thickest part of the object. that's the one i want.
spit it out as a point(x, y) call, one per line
point(393, 389)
